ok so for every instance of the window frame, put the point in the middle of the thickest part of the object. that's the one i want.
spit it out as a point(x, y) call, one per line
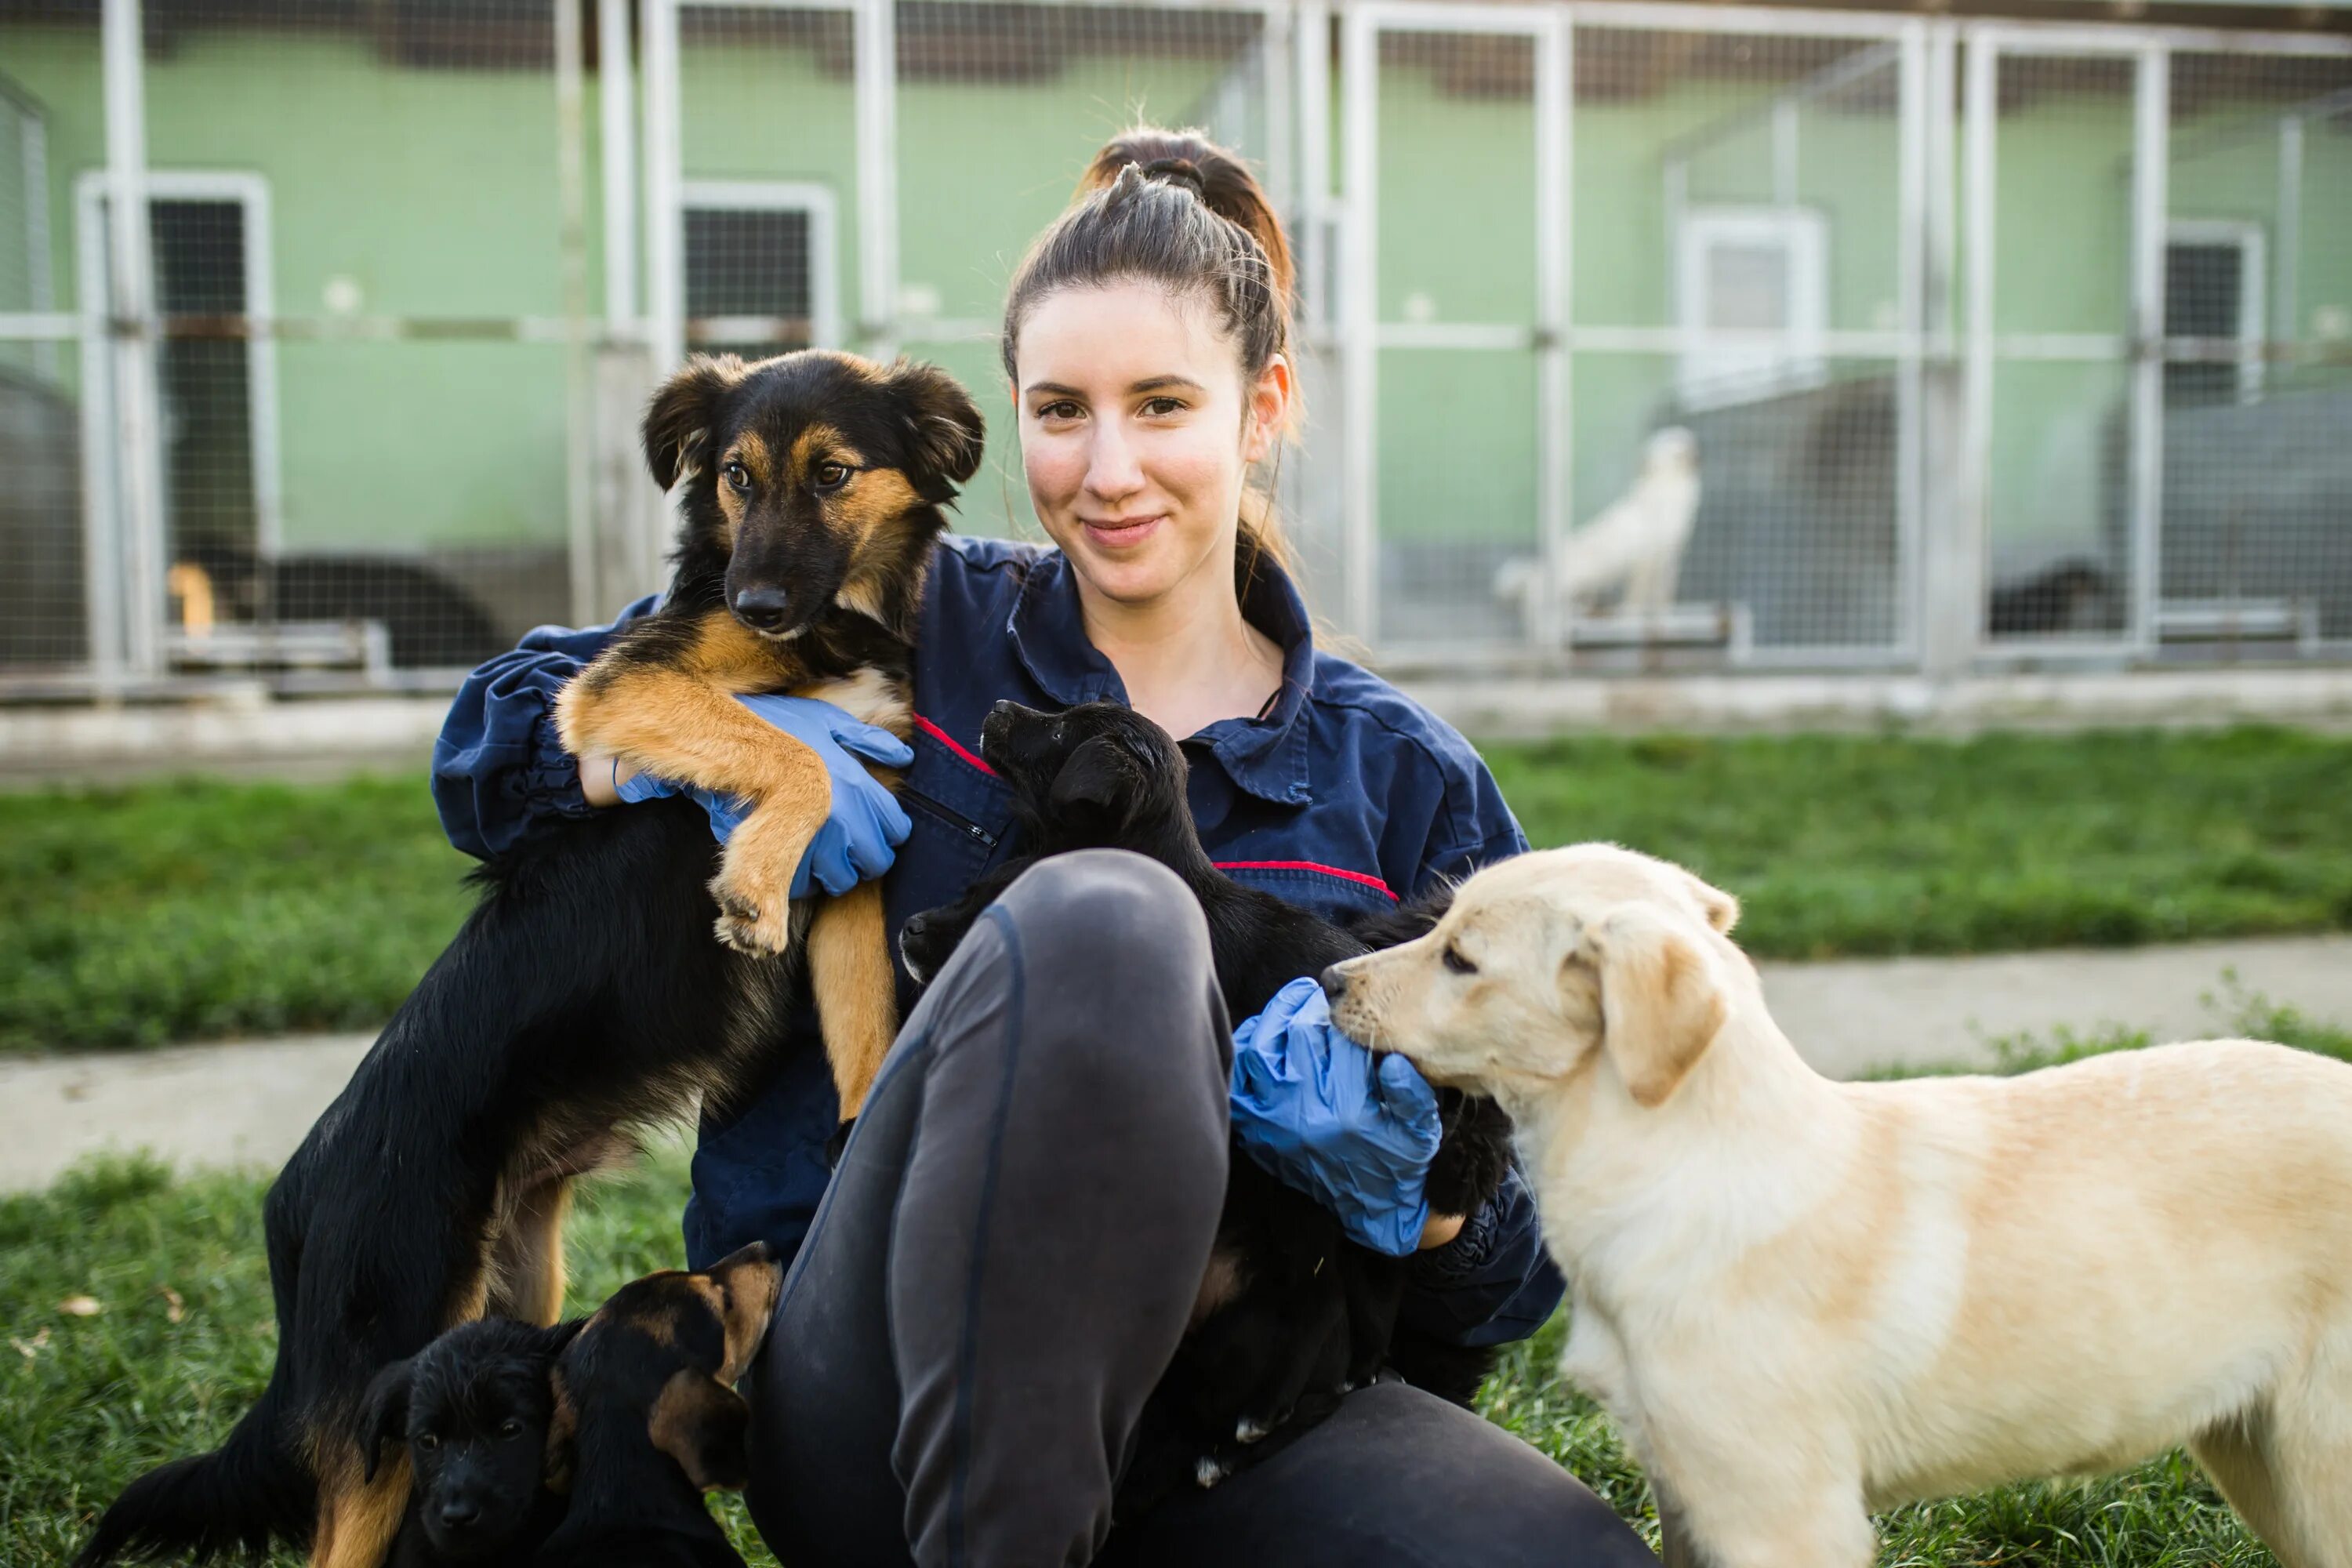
point(1715, 374)
point(250, 191)
point(2247, 237)
point(816, 202)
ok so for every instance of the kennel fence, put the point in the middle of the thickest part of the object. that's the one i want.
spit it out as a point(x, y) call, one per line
point(322, 326)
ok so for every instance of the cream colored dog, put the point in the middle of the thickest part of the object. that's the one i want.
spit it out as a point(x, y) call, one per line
point(1803, 1301)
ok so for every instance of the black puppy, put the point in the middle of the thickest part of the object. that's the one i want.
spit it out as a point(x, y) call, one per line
point(476, 1411)
point(1311, 1314)
point(646, 1399)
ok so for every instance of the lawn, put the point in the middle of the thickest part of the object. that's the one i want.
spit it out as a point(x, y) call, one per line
point(188, 911)
point(181, 1341)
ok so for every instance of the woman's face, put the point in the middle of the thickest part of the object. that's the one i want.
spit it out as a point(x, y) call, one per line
point(1136, 437)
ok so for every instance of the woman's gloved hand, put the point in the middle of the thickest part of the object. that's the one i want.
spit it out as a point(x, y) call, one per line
point(1354, 1130)
point(861, 835)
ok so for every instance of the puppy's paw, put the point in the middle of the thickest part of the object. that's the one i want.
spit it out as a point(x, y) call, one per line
point(1250, 1429)
point(750, 924)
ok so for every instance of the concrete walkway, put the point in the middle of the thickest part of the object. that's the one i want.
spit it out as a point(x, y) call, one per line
point(249, 1104)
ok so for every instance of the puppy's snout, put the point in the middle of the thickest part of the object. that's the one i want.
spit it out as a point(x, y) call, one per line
point(763, 609)
point(1334, 982)
point(914, 928)
point(459, 1512)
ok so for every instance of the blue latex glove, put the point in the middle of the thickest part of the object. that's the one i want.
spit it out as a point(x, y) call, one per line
point(861, 837)
point(1354, 1130)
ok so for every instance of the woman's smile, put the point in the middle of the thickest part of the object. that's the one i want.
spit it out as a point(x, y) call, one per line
point(1123, 532)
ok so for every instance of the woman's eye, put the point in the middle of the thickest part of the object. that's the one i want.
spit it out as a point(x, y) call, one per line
point(1160, 407)
point(1459, 964)
point(510, 1428)
point(1063, 410)
point(832, 476)
point(737, 475)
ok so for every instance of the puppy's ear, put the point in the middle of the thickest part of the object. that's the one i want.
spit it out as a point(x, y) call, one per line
point(752, 1276)
point(704, 1425)
point(678, 419)
point(1721, 908)
point(1660, 1002)
point(946, 432)
point(563, 1430)
point(383, 1414)
point(555, 1336)
point(1094, 781)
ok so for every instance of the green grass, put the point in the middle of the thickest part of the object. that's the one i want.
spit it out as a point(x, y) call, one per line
point(1857, 845)
point(189, 910)
point(86, 1403)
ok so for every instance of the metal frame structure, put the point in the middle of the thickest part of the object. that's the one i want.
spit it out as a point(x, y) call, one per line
point(1943, 355)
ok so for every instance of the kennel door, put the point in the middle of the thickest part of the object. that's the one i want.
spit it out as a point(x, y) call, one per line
point(1453, 153)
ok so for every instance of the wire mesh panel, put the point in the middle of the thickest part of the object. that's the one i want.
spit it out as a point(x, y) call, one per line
point(1455, 475)
point(1739, 303)
point(768, 155)
point(343, 493)
point(43, 586)
point(2256, 542)
point(2060, 491)
point(999, 109)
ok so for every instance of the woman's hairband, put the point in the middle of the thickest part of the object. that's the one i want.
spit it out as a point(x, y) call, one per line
point(1178, 172)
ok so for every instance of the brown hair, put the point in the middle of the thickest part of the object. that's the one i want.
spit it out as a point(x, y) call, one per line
point(1172, 207)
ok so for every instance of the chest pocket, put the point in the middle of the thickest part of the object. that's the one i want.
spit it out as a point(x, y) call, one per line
point(960, 816)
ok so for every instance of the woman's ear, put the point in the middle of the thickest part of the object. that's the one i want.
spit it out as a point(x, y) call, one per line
point(1270, 399)
point(1661, 1003)
point(678, 419)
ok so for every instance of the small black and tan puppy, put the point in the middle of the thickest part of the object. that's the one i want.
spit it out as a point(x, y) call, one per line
point(647, 1408)
point(1303, 1314)
point(476, 1412)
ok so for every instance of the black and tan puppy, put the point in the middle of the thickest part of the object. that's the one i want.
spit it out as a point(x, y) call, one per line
point(586, 996)
point(475, 1411)
point(1297, 1314)
point(647, 1400)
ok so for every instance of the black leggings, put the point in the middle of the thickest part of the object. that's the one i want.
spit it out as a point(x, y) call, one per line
point(1004, 1262)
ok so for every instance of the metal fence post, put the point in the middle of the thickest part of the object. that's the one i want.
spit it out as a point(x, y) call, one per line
point(877, 69)
point(1960, 608)
point(2151, 171)
point(1554, 164)
point(579, 379)
point(138, 530)
point(1360, 67)
point(664, 280)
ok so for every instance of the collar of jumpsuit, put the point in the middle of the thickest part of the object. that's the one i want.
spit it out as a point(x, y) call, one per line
point(1264, 756)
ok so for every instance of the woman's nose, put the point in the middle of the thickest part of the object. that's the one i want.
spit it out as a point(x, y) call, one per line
point(1112, 469)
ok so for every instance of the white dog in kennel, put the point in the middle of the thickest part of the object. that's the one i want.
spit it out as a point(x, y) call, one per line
point(1635, 544)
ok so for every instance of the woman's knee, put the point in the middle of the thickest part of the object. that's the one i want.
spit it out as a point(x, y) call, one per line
point(1110, 916)
point(1115, 981)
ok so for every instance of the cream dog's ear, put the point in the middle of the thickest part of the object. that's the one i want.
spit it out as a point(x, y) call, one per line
point(1722, 909)
point(1661, 1003)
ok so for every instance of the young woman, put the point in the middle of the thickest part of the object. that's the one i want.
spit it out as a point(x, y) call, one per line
point(989, 1285)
